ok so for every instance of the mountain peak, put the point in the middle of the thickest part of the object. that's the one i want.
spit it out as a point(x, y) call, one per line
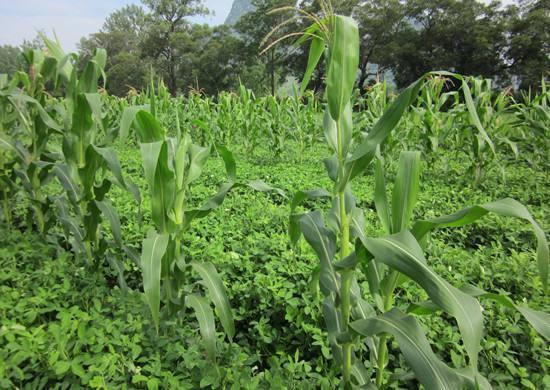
point(238, 9)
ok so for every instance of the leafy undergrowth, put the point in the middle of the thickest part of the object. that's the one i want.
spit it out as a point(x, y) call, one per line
point(64, 326)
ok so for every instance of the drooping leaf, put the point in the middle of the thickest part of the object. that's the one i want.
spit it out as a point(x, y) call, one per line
point(110, 212)
point(216, 291)
point(505, 207)
point(323, 242)
point(403, 253)
point(429, 370)
point(316, 50)
point(153, 249)
point(205, 316)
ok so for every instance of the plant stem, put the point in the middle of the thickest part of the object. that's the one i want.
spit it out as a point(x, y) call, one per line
point(347, 275)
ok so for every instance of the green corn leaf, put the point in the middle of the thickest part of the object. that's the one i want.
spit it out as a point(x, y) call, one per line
point(229, 162)
point(331, 130)
point(333, 318)
point(299, 198)
point(128, 116)
point(64, 176)
point(216, 291)
point(405, 190)
point(505, 207)
point(110, 212)
point(343, 63)
point(380, 197)
point(148, 128)
point(111, 159)
point(323, 242)
point(316, 50)
point(204, 315)
point(403, 253)
point(261, 186)
point(153, 249)
point(429, 370)
point(213, 203)
point(539, 320)
point(197, 158)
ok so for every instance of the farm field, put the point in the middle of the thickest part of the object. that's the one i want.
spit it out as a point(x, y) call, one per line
point(159, 242)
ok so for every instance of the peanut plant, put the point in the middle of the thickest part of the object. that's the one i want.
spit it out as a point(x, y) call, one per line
point(355, 318)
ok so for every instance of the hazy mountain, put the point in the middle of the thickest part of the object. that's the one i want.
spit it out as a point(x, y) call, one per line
point(239, 8)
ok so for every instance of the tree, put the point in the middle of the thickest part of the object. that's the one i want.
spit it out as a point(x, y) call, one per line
point(379, 22)
point(529, 48)
point(466, 36)
point(120, 35)
point(9, 59)
point(255, 26)
point(165, 25)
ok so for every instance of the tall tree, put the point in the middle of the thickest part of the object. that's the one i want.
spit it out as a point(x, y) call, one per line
point(9, 59)
point(255, 26)
point(464, 36)
point(529, 48)
point(166, 24)
point(120, 35)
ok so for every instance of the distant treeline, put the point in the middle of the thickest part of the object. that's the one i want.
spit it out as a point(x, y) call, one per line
point(510, 44)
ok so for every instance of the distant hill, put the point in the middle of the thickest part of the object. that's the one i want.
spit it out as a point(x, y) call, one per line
point(239, 8)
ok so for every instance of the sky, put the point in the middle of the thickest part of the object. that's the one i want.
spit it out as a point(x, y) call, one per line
point(73, 19)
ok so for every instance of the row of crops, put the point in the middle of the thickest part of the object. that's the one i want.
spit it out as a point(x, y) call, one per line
point(61, 142)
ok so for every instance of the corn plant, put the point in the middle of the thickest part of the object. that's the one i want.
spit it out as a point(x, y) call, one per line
point(26, 129)
point(172, 165)
point(356, 319)
point(87, 170)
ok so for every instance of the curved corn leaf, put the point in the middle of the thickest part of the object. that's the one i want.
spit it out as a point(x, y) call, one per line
point(153, 249)
point(229, 161)
point(216, 291)
point(405, 190)
point(128, 116)
point(294, 219)
point(316, 50)
point(204, 315)
point(380, 197)
point(343, 64)
point(506, 207)
point(539, 320)
point(403, 253)
point(323, 242)
point(429, 370)
point(110, 212)
point(64, 176)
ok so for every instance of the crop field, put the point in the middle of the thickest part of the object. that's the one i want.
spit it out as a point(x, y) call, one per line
point(392, 240)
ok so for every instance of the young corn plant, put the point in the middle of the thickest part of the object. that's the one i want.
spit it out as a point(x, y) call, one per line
point(86, 171)
point(172, 165)
point(357, 319)
point(26, 129)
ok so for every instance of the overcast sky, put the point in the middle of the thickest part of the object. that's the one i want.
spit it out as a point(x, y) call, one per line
point(73, 19)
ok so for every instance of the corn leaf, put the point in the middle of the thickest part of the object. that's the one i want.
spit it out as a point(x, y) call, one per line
point(505, 207)
point(403, 253)
point(204, 315)
point(429, 370)
point(153, 249)
point(216, 291)
point(343, 64)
